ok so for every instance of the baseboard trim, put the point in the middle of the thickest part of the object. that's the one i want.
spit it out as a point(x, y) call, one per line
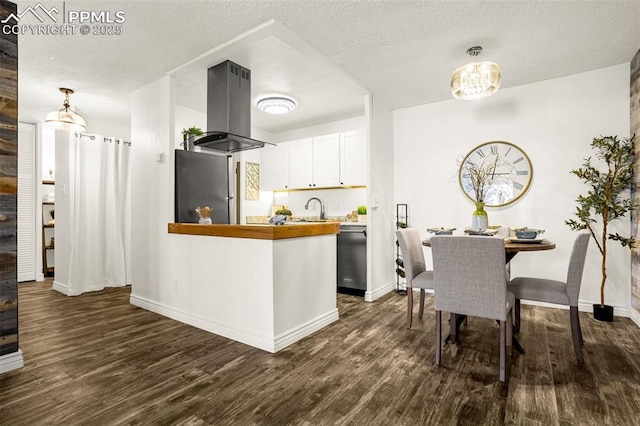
point(298, 333)
point(619, 311)
point(244, 336)
point(370, 296)
point(426, 290)
point(39, 277)
point(61, 288)
point(266, 343)
point(64, 288)
point(635, 317)
point(12, 361)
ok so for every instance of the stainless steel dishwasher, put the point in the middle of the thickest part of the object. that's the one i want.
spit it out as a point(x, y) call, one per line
point(352, 259)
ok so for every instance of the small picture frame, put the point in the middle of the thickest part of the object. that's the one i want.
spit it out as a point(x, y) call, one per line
point(252, 181)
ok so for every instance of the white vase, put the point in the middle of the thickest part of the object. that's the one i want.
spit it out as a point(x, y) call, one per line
point(362, 218)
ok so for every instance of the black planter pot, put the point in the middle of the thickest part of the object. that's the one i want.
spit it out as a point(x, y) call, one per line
point(603, 313)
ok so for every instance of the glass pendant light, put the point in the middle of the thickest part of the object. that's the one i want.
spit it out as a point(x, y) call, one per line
point(476, 80)
point(66, 118)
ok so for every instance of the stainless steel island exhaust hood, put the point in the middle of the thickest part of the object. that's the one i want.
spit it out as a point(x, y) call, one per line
point(228, 110)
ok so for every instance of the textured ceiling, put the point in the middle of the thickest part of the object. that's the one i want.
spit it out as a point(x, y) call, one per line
point(402, 51)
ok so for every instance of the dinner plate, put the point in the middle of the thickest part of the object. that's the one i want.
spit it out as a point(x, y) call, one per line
point(441, 231)
point(526, 240)
point(483, 232)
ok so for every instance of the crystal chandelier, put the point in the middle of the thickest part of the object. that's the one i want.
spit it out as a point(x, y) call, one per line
point(66, 118)
point(477, 79)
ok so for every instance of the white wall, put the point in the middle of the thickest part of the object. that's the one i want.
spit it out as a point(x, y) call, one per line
point(355, 123)
point(108, 129)
point(48, 152)
point(337, 202)
point(152, 131)
point(186, 118)
point(262, 206)
point(554, 121)
point(381, 206)
point(63, 209)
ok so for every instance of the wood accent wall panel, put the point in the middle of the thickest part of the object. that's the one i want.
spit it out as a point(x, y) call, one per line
point(8, 186)
point(635, 214)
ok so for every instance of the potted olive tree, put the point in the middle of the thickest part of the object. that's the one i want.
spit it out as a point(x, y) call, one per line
point(609, 177)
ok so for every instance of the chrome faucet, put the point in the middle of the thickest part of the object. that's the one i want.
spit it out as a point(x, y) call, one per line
point(306, 206)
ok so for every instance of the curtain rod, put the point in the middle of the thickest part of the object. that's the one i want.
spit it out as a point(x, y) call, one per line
point(93, 137)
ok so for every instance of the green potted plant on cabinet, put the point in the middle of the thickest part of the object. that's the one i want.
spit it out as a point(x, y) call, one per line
point(610, 177)
point(362, 213)
point(186, 133)
point(285, 212)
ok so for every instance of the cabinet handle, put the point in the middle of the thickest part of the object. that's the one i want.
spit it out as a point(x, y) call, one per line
point(310, 185)
point(341, 183)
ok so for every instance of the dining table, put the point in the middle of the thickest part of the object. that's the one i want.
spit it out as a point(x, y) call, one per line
point(512, 246)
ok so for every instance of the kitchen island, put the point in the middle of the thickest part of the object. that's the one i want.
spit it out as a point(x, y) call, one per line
point(263, 285)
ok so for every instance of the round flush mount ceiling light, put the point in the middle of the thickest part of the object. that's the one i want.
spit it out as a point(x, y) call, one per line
point(476, 80)
point(66, 118)
point(276, 104)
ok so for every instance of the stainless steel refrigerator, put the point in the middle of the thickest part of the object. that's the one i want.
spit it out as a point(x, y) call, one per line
point(203, 179)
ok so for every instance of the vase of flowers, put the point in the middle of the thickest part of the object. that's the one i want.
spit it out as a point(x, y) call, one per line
point(480, 178)
point(204, 215)
point(479, 218)
point(485, 179)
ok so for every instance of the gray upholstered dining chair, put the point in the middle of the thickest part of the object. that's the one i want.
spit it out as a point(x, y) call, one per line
point(469, 279)
point(415, 268)
point(558, 292)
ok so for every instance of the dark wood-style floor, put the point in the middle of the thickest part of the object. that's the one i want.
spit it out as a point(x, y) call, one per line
point(95, 359)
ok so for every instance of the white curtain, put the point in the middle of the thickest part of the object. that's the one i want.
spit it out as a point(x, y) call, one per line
point(99, 213)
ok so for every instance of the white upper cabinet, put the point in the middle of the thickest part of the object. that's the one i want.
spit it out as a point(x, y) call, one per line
point(315, 162)
point(326, 160)
point(353, 158)
point(275, 167)
point(301, 163)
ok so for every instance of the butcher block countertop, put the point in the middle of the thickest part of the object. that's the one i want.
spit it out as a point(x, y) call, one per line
point(257, 232)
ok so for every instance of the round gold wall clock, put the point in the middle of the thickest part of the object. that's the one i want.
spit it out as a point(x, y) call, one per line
point(499, 172)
